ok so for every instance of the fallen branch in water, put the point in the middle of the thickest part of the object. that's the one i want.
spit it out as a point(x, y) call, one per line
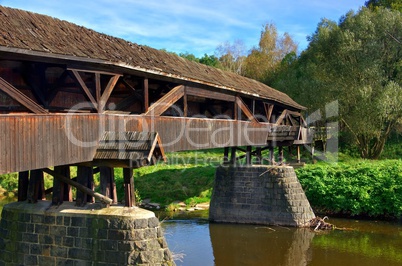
point(319, 224)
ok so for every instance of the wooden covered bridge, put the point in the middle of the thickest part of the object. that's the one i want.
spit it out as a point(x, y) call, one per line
point(73, 96)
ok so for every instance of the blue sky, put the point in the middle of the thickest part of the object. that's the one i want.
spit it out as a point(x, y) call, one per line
point(194, 26)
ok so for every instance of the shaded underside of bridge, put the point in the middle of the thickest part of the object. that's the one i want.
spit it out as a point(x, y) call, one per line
point(65, 89)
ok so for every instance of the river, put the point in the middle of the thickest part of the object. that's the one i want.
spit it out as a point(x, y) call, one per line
point(194, 241)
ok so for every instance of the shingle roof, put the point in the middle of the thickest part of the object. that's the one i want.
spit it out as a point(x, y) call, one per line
point(50, 36)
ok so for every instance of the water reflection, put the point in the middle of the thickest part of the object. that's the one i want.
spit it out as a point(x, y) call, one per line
point(260, 245)
point(368, 243)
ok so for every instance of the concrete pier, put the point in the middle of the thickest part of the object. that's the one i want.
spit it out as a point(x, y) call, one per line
point(38, 234)
point(257, 194)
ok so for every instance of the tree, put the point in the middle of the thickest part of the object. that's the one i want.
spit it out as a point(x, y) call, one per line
point(391, 4)
point(263, 61)
point(189, 56)
point(231, 56)
point(210, 60)
point(357, 62)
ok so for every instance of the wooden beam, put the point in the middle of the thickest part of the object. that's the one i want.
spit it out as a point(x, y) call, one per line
point(185, 103)
point(94, 71)
point(281, 117)
point(21, 98)
point(106, 94)
point(129, 187)
point(164, 103)
point(209, 94)
point(245, 110)
point(107, 183)
point(80, 187)
point(85, 88)
point(23, 181)
point(145, 87)
point(98, 86)
point(248, 155)
point(268, 110)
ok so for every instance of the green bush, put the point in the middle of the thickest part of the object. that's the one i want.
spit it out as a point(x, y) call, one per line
point(370, 188)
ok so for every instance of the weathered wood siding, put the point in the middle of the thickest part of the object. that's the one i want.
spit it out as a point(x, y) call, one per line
point(36, 141)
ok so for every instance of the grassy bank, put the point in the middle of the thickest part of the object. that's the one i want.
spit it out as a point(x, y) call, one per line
point(351, 187)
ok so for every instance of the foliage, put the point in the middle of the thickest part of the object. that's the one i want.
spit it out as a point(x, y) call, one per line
point(372, 188)
point(356, 62)
point(264, 60)
point(392, 4)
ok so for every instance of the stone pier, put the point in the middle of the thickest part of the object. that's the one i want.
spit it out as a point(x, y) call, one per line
point(270, 195)
point(37, 234)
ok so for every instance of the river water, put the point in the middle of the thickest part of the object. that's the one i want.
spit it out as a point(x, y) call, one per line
point(194, 241)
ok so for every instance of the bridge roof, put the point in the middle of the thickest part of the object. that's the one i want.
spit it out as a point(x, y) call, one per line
point(33, 34)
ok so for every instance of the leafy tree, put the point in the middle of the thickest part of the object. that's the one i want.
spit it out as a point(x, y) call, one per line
point(263, 61)
point(189, 56)
point(357, 62)
point(392, 4)
point(210, 60)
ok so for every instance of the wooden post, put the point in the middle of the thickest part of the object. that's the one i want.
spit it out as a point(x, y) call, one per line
point(235, 111)
point(258, 155)
point(271, 156)
point(107, 183)
point(298, 154)
point(185, 104)
point(84, 178)
point(146, 94)
point(129, 187)
point(233, 156)
point(61, 191)
point(79, 187)
point(281, 159)
point(36, 188)
point(226, 155)
point(248, 155)
point(23, 181)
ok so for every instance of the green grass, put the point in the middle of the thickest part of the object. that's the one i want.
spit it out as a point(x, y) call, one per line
point(186, 176)
point(350, 186)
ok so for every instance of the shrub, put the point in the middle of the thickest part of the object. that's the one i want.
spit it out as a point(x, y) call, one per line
point(371, 188)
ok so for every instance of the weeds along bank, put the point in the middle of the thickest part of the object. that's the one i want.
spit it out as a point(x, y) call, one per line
point(354, 187)
point(360, 187)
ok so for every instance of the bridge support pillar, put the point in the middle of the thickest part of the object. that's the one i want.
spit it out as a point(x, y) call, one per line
point(258, 194)
point(41, 234)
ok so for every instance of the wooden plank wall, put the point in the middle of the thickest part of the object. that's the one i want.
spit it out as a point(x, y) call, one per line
point(32, 141)
point(36, 141)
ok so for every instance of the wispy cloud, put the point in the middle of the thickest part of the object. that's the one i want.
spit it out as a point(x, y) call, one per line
point(191, 25)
